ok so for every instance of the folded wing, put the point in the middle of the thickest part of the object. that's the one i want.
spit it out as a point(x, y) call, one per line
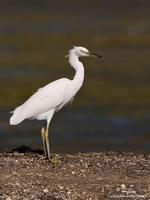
point(46, 98)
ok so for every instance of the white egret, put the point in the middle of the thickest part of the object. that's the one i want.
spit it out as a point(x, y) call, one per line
point(47, 100)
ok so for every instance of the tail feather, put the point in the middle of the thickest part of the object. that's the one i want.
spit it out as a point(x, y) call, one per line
point(17, 116)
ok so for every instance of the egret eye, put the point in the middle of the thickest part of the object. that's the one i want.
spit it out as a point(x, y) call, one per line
point(47, 100)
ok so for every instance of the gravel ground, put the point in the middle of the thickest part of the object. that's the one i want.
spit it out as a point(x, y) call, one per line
point(86, 176)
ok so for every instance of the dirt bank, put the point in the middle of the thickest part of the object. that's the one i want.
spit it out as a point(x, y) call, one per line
point(95, 176)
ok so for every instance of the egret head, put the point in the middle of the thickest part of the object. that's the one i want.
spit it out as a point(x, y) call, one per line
point(82, 52)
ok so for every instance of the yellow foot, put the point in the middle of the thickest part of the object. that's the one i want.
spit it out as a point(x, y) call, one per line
point(55, 160)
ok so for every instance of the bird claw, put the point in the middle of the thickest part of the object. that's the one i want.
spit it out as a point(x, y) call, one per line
point(54, 160)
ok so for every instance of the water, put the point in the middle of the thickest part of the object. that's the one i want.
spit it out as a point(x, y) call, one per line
point(73, 131)
point(112, 111)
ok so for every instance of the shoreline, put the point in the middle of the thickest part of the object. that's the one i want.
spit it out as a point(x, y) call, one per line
point(95, 176)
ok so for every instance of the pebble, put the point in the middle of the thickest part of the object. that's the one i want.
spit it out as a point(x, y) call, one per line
point(69, 192)
point(123, 186)
point(45, 190)
point(131, 185)
point(17, 184)
point(118, 189)
point(61, 187)
point(8, 198)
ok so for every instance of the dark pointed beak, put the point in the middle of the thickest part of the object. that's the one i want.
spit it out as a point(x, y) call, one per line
point(95, 55)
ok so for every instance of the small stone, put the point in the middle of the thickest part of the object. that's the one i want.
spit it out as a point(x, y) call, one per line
point(118, 189)
point(123, 186)
point(45, 190)
point(8, 198)
point(131, 185)
point(69, 192)
point(73, 172)
point(17, 184)
point(134, 192)
point(61, 187)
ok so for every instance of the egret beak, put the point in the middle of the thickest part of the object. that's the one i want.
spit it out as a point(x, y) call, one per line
point(95, 55)
point(66, 56)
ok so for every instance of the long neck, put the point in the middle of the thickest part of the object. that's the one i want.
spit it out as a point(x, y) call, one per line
point(78, 66)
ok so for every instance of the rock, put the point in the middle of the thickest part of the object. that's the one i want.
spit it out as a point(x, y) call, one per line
point(45, 190)
point(123, 186)
point(8, 198)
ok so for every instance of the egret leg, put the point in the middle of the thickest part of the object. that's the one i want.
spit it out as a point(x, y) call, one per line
point(47, 141)
point(44, 140)
point(50, 158)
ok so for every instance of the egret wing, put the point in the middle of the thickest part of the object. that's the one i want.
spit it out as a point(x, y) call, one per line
point(46, 98)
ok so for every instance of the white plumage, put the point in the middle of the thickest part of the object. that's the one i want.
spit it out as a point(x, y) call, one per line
point(52, 97)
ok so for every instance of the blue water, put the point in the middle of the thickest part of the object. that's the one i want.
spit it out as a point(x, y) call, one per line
point(34, 37)
point(73, 131)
